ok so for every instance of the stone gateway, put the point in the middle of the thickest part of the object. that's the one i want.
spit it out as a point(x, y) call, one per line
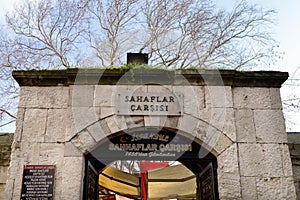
point(203, 134)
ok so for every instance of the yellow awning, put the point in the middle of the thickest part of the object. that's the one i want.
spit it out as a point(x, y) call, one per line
point(164, 183)
point(171, 182)
point(120, 182)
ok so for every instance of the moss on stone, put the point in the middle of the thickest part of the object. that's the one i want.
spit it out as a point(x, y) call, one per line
point(5, 148)
point(129, 75)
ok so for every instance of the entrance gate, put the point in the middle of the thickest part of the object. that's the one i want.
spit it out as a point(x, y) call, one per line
point(153, 144)
point(236, 116)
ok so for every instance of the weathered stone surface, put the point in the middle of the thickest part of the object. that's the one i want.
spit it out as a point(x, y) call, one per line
point(229, 177)
point(269, 126)
point(85, 142)
point(3, 174)
point(82, 117)
point(245, 129)
point(44, 97)
point(222, 119)
point(273, 160)
point(260, 160)
point(19, 126)
point(155, 120)
point(56, 125)
point(2, 191)
point(70, 126)
point(251, 98)
point(116, 123)
point(294, 138)
point(275, 188)
point(5, 149)
point(253, 159)
point(188, 123)
point(30, 152)
point(228, 163)
point(248, 188)
point(294, 149)
point(71, 150)
point(129, 89)
point(296, 173)
point(15, 164)
point(171, 121)
point(82, 95)
point(34, 126)
point(72, 178)
point(286, 161)
point(193, 99)
point(79, 144)
point(275, 98)
point(106, 112)
point(9, 189)
point(228, 189)
point(52, 154)
point(139, 76)
point(104, 95)
point(96, 131)
point(297, 186)
point(134, 121)
point(213, 140)
point(164, 89)
point(104, 127)
point(218, 96)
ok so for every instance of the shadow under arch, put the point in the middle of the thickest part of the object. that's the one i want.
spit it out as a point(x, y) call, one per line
point(153, 144)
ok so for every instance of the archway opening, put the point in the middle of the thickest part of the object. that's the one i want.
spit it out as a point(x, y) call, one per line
point(150, 163)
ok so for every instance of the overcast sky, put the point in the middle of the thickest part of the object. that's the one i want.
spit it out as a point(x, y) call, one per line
point(287, 32)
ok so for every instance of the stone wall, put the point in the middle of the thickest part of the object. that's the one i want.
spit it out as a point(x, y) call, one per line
point(243, 126)
point(5, 151)
point(294, 147)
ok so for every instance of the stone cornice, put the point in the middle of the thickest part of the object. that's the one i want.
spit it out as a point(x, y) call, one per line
point(150, 77)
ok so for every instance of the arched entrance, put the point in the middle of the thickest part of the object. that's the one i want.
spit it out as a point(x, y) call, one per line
point(181, 163)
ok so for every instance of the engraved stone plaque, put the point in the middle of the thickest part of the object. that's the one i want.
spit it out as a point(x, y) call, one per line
point(149, 104)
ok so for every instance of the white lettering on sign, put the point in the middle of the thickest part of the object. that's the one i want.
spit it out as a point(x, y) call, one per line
point(149, 104)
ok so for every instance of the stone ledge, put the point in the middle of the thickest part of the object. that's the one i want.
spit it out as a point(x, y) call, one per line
point(150, 77)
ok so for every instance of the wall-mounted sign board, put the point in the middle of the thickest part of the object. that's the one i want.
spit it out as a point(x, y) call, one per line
point(169, 104)
point(38, 181)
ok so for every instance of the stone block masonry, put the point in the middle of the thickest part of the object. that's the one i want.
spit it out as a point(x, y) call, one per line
point(294, 149)
point(5, 152)
point(237, 116)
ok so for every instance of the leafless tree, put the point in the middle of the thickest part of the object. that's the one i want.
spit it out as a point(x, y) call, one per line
point(129, 166)
point(291, 100)
point(42, 34)
point(205, 38)
point(113, 19)
point(181, 34)
point(39, 34)
point(46, 33)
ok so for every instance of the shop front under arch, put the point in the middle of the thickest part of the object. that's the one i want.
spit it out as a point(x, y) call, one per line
point(152, 144)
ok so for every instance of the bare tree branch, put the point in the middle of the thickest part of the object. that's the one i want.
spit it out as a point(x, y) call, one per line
point(7, 123)
point(8, 113)
point(42, 34)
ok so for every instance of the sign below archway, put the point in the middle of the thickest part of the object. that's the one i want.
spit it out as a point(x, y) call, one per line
point(159, 146)
point(149, 144)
